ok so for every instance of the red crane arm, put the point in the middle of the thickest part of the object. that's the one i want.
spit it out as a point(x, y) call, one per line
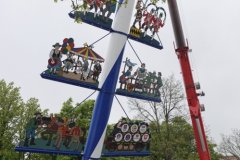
point(192, 97)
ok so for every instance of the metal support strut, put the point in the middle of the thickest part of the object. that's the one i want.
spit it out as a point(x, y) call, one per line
point(192, 98)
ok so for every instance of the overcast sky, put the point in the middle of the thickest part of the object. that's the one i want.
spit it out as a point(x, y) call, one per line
point(29, 28)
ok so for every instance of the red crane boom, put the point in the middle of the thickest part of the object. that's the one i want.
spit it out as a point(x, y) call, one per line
point(192, 97)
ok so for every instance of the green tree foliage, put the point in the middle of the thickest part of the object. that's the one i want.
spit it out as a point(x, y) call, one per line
point(11, 106)
point(81, 111)
point(214, 154)
point(67, 109)
point(176, 141)
point(14, 114)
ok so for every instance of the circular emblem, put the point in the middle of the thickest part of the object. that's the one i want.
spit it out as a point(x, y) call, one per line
point(134, 128)
point(125, 148)
point(145, 137)
point(127, 137)
point(119, 124)
point(131, 147)
point(120, 147)
point(125, 128)
point(136, 137)
point(143, 128)
point(118, 137)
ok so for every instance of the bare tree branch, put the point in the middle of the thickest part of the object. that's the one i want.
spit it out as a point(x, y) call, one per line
point(172, 97)
point(230, 145)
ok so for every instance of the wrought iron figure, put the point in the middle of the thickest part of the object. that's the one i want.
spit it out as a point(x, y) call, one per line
point(78, 67)
point(85, 69)
point(51, 128)
point(54, 61)
point(147, 82)
point(141, 74)
point(138, 14)
point(97, 69)
point(147, 20)
point(159, 84)
point(30, 129)
point(68, 63)
point(157, 23)
point(61, 133)
point(95, 4)
point(125, 78)
point(110, 6)
point(75, 134)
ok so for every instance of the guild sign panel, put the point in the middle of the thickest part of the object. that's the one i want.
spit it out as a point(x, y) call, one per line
point(127, 138)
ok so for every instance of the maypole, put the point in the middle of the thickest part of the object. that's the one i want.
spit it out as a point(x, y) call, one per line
point(102, 109)
point(61, 135)
point(69, 64)
point(192, 97)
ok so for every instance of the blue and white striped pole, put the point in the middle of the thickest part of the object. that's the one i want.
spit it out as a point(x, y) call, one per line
point(109, 79)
